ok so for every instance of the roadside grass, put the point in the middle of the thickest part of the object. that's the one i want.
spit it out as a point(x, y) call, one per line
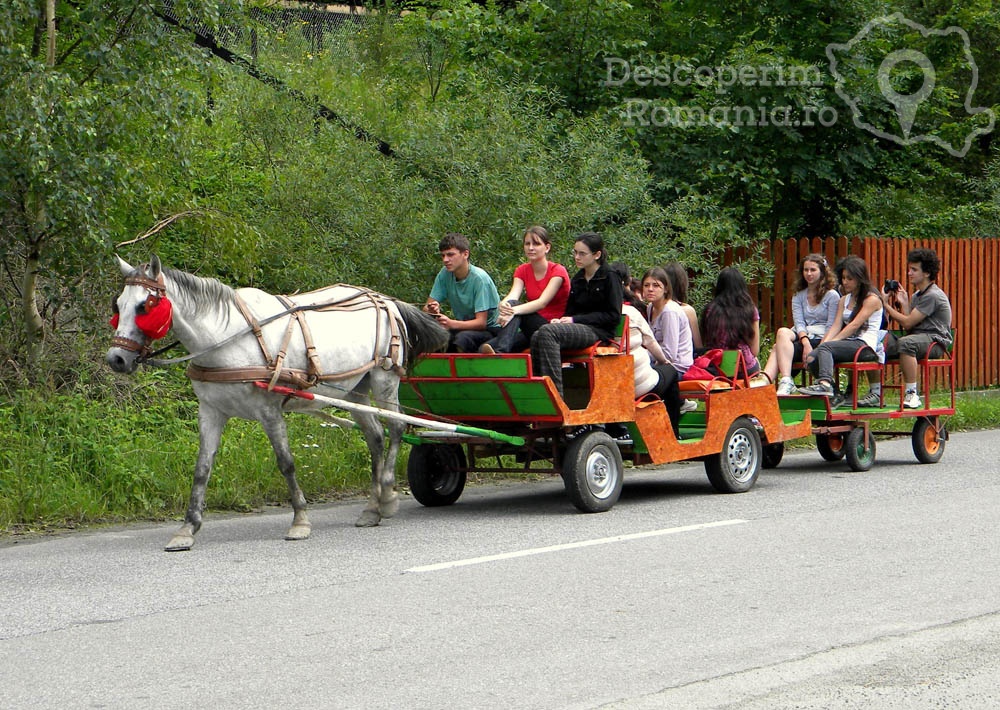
point(72, 460)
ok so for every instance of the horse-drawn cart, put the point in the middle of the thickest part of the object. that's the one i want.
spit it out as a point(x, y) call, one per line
point(730, 431)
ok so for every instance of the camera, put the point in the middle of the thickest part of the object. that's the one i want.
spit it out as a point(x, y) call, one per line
point(891, 286)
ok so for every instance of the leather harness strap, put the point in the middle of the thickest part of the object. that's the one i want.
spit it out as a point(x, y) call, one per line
point(274, 371)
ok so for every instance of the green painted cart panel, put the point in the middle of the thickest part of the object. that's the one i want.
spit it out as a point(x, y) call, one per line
point(432, 367)
point(492, 367)
point(531, 399)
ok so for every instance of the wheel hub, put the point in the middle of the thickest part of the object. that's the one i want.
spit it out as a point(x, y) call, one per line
point(599, 478)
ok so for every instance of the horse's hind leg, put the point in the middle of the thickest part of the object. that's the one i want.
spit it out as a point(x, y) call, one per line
point(210, 425)
point(277, 433)
point(371, 429)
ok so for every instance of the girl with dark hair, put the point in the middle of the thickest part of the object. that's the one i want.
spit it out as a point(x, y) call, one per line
point(545, 285)
point(593, 311)
point(652, 370)
point(621, 270)
point(678, 277)
point(814, 307)
point(731, 321)
point(670, 324)
point(856, 325)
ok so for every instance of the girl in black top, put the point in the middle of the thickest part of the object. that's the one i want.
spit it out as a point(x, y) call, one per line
point(593, 311)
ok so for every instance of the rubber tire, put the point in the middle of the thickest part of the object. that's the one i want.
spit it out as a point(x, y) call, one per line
point(772, 455)
point(736, 467)
point(928, 444)
point(857, 458)
point(827, 444)
point(436, 473)
point(592, 472)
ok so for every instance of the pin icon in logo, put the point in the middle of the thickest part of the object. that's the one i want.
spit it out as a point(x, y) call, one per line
point(906, 104)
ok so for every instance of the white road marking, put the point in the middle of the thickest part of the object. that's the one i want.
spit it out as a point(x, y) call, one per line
point(570, 546)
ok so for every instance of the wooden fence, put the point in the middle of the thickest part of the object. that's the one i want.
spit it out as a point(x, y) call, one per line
point(970, 272)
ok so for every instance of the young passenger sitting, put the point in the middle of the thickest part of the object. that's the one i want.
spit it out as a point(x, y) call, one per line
point(731, 321)
point(926, 317)
point(652, 372)
point(814, 308)
point(546, 287)
point(593, 310)
point(471, 294)
point(856, 325)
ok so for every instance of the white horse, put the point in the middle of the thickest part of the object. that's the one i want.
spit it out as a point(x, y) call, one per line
point(347, 343)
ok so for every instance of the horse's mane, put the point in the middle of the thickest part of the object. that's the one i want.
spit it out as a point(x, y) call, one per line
point(203, 292)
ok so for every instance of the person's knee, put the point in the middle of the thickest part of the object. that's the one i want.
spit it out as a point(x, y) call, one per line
point(542, 337)
point(911, 346)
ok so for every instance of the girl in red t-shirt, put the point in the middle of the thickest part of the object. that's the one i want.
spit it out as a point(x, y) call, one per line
point(545, 286)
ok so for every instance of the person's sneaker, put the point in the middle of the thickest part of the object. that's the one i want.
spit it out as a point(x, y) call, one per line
point(820, 389)
point(583, 429)
point(912, 401)
point(786, 386)
point(688, 405)
point(487, 349)
point(869, 400)
point(837, 401)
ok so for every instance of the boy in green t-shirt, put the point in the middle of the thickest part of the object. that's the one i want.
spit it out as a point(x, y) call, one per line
point(469, 291)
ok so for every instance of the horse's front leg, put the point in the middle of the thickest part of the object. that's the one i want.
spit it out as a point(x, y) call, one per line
point(277, 434)
point(371, 429)
point(389, 498)
point(210, 425)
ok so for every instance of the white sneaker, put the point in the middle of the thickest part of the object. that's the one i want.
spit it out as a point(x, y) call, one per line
point(688, 405)
point(786, 386)
point(912, 401)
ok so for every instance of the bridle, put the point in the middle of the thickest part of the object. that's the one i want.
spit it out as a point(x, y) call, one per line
point(153, 328)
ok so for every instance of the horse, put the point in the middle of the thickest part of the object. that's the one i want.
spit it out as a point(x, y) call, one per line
point(344, 342)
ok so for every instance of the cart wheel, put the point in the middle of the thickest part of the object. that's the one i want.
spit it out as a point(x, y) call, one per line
point(772, 455)
point(860, 456)
point(831, 446)
point(436, 473)
point(928, 441)
point(735, 468)
point(592, 471)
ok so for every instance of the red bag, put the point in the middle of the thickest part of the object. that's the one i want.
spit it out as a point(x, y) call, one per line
point(705, 367)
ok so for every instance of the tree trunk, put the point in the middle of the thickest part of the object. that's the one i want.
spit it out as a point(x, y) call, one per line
point(34, 326)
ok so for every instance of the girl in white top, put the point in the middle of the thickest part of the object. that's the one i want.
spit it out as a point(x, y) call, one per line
point(857, 323)
point(650, 369)
point(814, 308)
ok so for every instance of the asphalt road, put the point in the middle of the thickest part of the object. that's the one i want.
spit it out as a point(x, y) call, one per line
point(820, 588)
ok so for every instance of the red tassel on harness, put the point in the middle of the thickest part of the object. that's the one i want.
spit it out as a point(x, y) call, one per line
point(155, 322)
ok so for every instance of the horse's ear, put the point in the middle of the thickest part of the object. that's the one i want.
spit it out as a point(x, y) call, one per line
point(154, 267)
point(124, 266)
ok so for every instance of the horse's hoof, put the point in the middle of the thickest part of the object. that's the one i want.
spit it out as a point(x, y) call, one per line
point(180, 543)
point(298, 532)
point(368, 519)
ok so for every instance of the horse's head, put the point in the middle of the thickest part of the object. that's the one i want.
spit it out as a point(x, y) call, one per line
point(142, 314)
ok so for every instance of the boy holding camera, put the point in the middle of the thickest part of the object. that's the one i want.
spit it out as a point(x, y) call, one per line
point(926, 318)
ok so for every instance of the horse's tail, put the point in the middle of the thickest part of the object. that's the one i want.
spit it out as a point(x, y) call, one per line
point(423, 333)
